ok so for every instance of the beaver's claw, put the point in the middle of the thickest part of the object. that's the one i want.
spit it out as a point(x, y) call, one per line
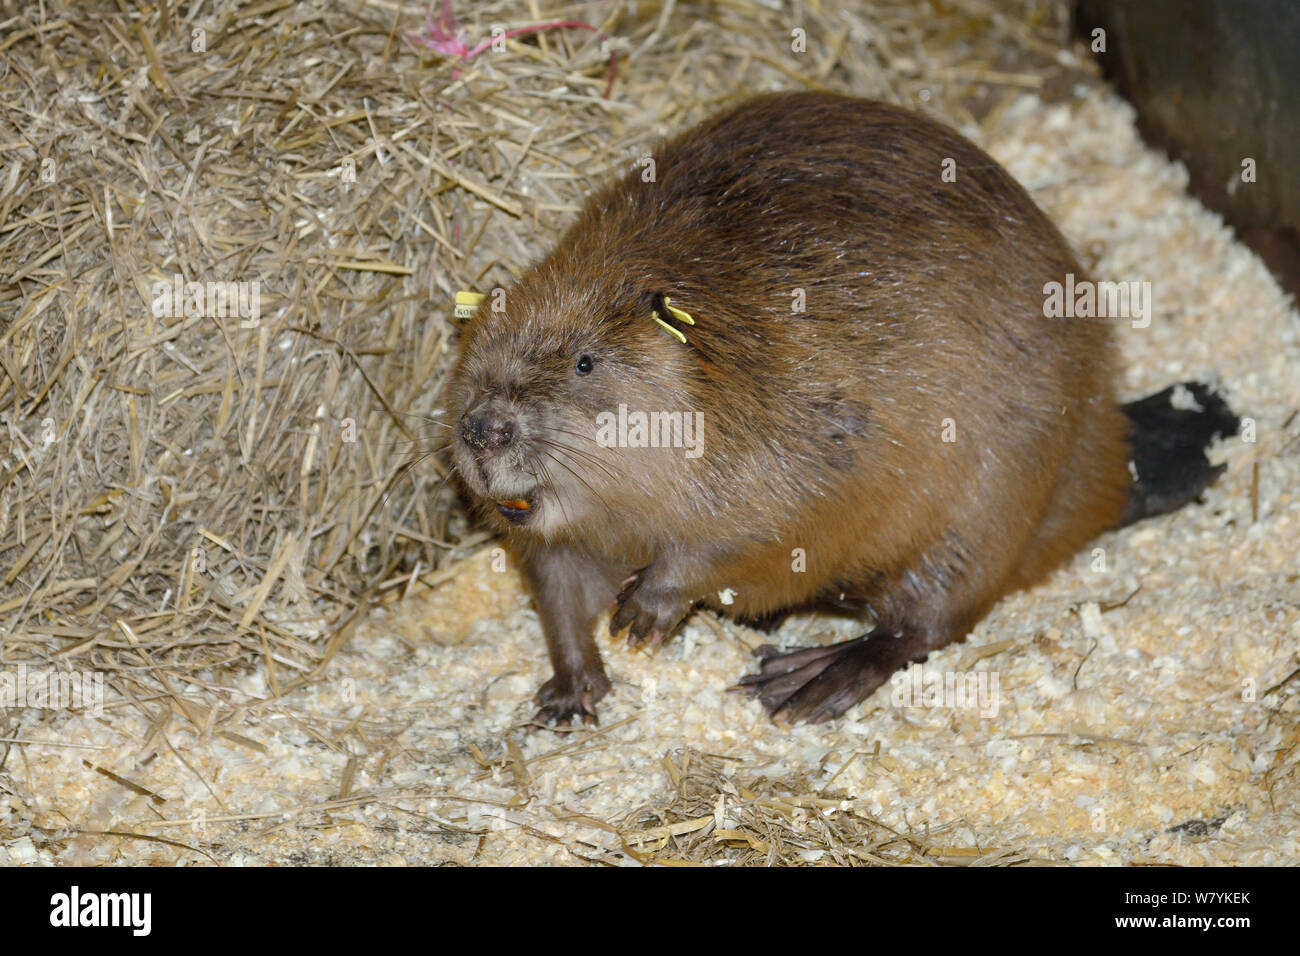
point(560, 700)
point(648, 611)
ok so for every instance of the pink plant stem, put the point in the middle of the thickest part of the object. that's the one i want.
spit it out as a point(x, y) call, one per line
point(553, 25)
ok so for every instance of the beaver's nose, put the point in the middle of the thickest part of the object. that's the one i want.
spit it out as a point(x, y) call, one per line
point(487, 427)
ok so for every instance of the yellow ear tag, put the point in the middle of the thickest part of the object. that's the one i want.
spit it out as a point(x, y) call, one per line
point(466, 303)
point(679, 314)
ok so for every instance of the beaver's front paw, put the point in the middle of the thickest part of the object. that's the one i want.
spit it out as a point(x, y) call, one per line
point(648, 611)
point(562, 698)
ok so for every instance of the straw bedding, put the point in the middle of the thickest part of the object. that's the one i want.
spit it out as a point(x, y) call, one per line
point(310, 656)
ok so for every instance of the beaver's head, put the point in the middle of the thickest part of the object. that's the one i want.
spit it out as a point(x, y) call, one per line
point(544, 368)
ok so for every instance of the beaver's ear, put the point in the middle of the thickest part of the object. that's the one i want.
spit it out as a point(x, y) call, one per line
point(672, 320)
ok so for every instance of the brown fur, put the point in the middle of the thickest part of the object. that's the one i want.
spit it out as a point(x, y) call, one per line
point(822, 430)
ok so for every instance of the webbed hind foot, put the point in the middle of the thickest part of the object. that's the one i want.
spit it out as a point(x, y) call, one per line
point(817, 684)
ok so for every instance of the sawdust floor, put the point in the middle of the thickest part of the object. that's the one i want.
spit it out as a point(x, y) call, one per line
point(1145, 732)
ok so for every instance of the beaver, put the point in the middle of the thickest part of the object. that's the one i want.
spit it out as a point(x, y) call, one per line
point(791, 363)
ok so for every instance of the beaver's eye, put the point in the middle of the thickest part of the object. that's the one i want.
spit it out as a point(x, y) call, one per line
point(585, 363)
